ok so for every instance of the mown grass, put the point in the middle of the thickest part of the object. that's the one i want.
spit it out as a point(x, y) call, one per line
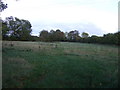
point(68, 65)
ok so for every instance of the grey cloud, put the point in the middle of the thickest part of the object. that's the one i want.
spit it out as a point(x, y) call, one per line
point(66, 27)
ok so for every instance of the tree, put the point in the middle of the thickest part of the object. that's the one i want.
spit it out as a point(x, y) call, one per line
point(73, 36)
point(24, 29)
point(85, 35)
point(44, 35)
point(18, 29)
point(34, 38)
point(60, 36)
point(52, 35)
point(5, 30)
point(94, 39)
point(117, 37)
point(2, 6)
point(109, 38)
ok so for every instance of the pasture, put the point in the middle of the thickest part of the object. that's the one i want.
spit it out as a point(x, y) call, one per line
point(58, 65)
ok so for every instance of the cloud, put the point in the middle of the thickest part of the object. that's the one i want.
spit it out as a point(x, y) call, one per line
point(66, 27)
point(100, 14)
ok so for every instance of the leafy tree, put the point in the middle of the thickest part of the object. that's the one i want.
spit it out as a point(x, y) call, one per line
point(94, 39)
point(24, 29)
point(18, 29)
point(2, 6)
point(44, 35)
point(52, 36)
point(73, 35)
point(109, 38)
point(117, 38)
point(60, 36)
point(5, 30)
point(34, 38)
point(85, 35)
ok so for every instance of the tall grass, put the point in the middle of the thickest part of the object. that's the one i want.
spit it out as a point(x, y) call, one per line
point(69, 65)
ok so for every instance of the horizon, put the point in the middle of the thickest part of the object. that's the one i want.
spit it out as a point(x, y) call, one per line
point(94, 17)
point(80, 34)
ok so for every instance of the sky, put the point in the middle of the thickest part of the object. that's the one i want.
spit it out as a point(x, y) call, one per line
point(96, 17)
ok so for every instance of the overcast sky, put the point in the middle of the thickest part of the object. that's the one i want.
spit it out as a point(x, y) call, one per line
point(97, 17)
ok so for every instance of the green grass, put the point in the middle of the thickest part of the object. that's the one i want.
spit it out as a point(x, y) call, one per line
point(70, 65)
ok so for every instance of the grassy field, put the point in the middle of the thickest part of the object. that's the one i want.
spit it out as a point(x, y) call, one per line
point(59, 65)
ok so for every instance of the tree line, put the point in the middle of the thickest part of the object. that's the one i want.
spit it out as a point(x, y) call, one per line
point(15, 29)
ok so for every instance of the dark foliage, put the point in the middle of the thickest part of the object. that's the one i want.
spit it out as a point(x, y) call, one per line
point(2, 6)
point(20, 30)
